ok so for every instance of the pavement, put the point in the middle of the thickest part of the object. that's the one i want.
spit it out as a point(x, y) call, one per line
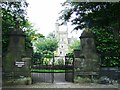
point(48, 77)
point(63, 86)
point(60, 84)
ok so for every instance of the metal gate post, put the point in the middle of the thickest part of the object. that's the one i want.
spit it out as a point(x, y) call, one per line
point(73, 69)
point(53, 68)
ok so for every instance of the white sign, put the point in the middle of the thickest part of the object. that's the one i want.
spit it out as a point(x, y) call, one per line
point(19, 64)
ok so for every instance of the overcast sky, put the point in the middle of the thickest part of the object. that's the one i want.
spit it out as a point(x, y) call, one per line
point(44, 13)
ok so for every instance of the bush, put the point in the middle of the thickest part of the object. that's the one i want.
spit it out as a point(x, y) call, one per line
point(60, 62)
point(79, 79)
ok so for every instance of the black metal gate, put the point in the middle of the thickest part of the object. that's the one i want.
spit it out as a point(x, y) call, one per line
point(69, 68)
point(42, 70)
point(59, 69)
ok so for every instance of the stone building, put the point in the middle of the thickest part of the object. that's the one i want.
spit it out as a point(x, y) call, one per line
point(61, 33)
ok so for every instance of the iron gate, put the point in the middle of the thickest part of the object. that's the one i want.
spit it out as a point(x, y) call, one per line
point(57, 70)
point(69, 68)
point(42, 69)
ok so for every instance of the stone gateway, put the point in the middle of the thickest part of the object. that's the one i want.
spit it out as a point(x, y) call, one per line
point(86, 61)
point(16, 63)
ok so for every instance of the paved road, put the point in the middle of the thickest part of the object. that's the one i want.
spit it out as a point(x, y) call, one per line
point(48, 77)
point(59, 78)
point(59, 83)
point(42, 77)
point(62, 86)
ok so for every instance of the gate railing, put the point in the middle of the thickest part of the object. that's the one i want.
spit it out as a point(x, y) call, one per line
point(69, 69)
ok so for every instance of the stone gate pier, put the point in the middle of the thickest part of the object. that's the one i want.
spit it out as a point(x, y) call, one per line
point(17, 61)
point(86, 63)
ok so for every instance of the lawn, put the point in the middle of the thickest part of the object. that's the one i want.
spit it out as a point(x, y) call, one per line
point(47, 71)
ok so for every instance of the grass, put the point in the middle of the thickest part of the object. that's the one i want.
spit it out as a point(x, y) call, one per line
point(47, 71)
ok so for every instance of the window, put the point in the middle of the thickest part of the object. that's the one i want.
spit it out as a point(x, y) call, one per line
point(62, 39)
point(60, 52)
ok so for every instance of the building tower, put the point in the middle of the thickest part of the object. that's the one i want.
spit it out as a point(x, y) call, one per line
point(61, 34)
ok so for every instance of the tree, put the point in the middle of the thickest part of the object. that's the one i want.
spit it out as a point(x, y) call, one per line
point(15, 13)
point(46, 44)
point(11, 13)
point(51, 35)
point(102, 18)
point(89, 14)
point(45, 47)
point(74, 45)
point(31, 35)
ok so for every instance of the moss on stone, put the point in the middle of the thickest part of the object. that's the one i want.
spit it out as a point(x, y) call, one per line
point(19, 81)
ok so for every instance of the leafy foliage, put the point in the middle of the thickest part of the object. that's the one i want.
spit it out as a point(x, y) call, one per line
point(102, 18)
point(107, 47)
point(31, 35)
point(89, 14)
point(45, 48)
point(47, 44)
point(74, 45)
point(11, 13)
point(37, 58)
point(69, 54)
point(60, 61)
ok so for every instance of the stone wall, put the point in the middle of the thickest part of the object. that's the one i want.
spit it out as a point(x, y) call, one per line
point(17, 63)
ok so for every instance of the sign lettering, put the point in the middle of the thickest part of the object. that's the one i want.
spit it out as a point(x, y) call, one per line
point(19, 64)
